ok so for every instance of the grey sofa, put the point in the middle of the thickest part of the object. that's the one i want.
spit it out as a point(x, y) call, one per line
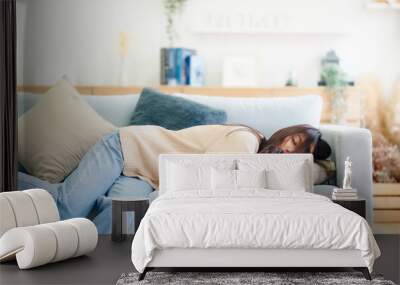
point(356, 143)
point(344, 141)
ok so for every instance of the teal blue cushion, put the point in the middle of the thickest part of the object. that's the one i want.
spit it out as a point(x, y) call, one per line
point(173, 113)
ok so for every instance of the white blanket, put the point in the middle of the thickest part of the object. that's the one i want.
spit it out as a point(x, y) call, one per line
point(253, 218)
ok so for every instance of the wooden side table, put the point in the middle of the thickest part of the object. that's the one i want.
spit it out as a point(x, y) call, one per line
point(358, 206)
point(121, 205)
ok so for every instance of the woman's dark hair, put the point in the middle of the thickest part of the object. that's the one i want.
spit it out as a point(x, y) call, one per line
point(312, 136)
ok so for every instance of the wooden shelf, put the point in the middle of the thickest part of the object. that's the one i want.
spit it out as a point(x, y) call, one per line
point(387, 203)
point(386, 216)
point(386, 189)
point(386, 228)
point(386, 208)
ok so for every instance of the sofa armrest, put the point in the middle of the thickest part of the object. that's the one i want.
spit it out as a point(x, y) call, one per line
point(356, 143)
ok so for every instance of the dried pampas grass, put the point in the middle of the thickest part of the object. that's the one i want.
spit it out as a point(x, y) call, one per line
point(382, 118)
point(391, 118)
point(372, 103)
point(386, 160)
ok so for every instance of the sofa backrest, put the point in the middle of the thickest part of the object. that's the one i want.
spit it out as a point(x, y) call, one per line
point(117, 109)
point(265, 114)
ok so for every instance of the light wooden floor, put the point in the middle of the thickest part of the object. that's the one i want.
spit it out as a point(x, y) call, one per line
point(110, 260)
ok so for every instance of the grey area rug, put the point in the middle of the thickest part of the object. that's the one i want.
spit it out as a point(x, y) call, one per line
point(273, 278)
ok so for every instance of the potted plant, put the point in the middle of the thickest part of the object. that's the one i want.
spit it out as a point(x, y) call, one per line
point(172, 7)
point(336, 82)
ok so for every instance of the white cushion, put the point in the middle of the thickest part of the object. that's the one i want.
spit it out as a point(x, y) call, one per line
point(319, 174)
point(40, 244)
point(186, 174)
point(223, 179)
point(237, 179)
point(285, 164)
point(56, 133)
point(255, 179)
point(292, 172)
point(291, 180)
point(266, 114)
point(252, 179)
point(183, 178)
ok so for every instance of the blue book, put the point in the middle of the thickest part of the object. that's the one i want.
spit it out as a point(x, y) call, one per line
point(167, 67)
point(180, 64)
point(173, 65)
point(194, 70)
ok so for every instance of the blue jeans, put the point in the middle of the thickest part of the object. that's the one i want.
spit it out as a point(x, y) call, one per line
point(91, 186)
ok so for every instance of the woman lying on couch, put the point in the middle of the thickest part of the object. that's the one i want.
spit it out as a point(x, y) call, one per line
point(131, 155)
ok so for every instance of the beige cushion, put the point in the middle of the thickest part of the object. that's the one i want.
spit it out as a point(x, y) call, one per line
point(56, 133)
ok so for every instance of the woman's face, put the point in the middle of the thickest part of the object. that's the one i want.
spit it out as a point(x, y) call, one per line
point(291, 143)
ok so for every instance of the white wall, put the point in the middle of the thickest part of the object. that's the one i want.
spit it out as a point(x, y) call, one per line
point(81, 39)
